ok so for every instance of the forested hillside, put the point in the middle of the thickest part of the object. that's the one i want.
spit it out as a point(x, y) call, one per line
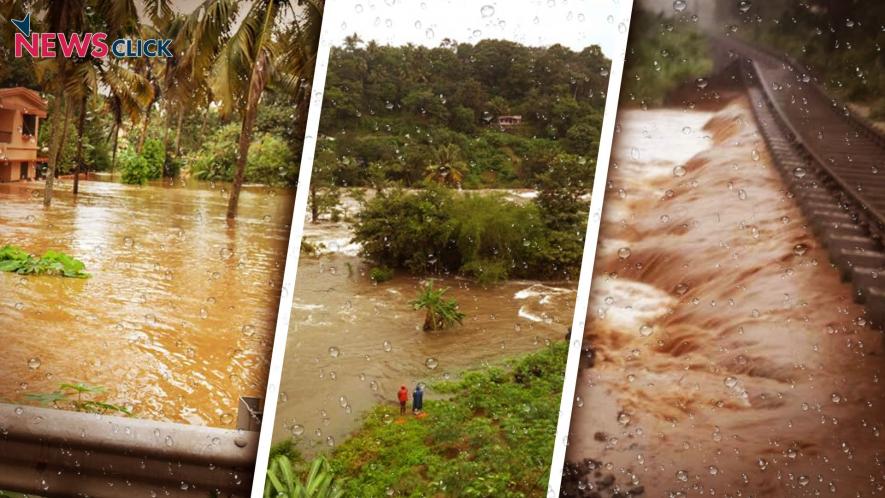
point(405, 114)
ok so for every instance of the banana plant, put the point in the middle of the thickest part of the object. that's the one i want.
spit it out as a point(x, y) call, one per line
point(283, 483)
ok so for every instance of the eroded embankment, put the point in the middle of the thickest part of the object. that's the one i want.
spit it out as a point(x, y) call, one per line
point(730, 359)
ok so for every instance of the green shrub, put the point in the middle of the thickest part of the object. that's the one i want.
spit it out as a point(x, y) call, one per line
point(137, 169)
point(485, 272)
point(380, 274)
point(270, 160)
point(216, 158)
point(483, 236)
point(155, 155)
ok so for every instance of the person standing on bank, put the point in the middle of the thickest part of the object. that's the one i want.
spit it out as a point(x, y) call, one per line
point(403, 396)
point(418, 399)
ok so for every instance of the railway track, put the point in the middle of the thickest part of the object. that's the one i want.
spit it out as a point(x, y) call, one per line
point(832, 161)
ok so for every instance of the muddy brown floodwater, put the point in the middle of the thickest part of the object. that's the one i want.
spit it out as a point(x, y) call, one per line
point(731, 360)
point(353, 343)
point(177, 319)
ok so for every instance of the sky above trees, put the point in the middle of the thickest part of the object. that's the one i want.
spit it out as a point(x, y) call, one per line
point(575, 23)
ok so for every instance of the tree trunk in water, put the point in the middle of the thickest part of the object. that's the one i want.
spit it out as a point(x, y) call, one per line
point(314, 208)
point(167, 121)
point(114, 152)
point(256, 87)
point(81, 123)
point(55, 141)
point(178, 132)
point(144, 130)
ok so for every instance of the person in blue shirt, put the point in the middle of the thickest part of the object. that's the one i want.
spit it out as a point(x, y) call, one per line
point(418, 399)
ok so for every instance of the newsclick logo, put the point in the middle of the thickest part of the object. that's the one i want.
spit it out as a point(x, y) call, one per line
point(48, 45)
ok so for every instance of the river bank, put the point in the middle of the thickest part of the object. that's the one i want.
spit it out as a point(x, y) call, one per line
point(730, 359)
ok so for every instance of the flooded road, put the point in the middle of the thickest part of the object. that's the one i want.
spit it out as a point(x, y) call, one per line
point(730, 359)
point(352, 343)
point(177, 319)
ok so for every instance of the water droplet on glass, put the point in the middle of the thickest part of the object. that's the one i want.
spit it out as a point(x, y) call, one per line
point(431, 363)
point(34, 363)
point(487, 11)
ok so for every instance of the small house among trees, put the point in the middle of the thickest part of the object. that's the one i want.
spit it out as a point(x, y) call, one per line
point(509, 121)
point(21, 110)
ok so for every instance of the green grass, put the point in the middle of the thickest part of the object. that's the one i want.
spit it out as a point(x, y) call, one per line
point(492, 436)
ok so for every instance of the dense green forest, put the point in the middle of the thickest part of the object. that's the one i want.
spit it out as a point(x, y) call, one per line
point(407, 114)
point(428, 119)
point(663, 53)
point(492, 436)
point(840, 40)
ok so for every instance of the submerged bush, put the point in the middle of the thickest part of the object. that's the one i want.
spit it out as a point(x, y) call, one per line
point(380, 274)
point(78, 397)
point(16, 260)
point(484, 236)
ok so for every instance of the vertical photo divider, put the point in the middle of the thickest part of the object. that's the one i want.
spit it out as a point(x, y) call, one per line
point(287, 291)
point(576, 338)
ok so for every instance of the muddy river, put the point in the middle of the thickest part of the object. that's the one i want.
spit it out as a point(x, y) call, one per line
point(731, 360)
point(352, 343)
point(177, 319)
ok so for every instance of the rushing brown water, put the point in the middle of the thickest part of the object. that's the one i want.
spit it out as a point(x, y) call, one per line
point(177, 319)
point(352, 343)
point(731, 360)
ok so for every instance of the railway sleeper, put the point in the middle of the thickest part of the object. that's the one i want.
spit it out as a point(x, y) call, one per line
point(875, 305)
point(837, 242)
point(863, 279)
point(847, 259)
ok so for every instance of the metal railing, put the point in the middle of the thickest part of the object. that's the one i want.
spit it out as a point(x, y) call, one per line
point(56, 453)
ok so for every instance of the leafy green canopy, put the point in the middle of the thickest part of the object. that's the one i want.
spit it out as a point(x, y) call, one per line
point(408, 114)
point(270, 161)
point(840, 40)
point(16, 260)
point(662, 54)
point(492, 436)
point(139, 168)
point(483, 236)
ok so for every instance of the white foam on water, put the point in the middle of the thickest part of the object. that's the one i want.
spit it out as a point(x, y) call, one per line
point(633, 304)
point(533, 317)
point(542, 291)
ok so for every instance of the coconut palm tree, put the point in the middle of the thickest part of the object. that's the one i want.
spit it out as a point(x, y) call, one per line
point(447, 166)
point(115, 17)
point(275, 44)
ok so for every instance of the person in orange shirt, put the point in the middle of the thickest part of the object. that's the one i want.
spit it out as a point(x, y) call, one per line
point(403, 396)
